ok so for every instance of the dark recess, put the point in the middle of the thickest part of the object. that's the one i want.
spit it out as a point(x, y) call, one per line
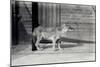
point(34, 22)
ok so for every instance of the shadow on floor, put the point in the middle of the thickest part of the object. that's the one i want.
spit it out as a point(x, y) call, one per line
point(68, 40)
point(71, 43)
point(76, 40)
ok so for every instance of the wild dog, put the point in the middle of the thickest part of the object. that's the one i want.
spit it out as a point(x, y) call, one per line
point(51, 33)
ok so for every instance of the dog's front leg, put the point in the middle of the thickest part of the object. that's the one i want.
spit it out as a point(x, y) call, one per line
point(59, 44)
point(54, 44)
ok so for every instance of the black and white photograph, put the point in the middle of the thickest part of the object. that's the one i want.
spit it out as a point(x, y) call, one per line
point(52, 33)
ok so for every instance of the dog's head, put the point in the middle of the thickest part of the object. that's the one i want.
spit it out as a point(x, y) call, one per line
point(67, 27)
point(71, 28)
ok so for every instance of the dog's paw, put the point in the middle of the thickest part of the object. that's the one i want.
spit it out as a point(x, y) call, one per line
point(55, 49)
point(40, 49)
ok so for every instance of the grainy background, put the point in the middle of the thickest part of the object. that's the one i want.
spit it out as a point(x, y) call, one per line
point(81, 17)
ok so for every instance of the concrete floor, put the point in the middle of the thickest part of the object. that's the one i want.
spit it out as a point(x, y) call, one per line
point(72, 52)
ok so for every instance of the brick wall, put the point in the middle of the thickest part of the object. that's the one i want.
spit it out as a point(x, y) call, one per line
point(25, 24)
point(82, 18)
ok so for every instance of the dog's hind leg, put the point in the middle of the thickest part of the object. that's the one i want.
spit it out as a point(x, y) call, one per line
point(38, 42)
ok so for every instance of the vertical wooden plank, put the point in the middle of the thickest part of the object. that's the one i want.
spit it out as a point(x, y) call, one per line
point(57, 15)
point(54, 15)
point(46, 15)
point(49, 14)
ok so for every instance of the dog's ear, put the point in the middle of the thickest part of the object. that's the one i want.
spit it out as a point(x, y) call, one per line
point(67, 25)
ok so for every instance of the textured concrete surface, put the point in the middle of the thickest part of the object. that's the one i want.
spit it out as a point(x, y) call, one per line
point(72, 52)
